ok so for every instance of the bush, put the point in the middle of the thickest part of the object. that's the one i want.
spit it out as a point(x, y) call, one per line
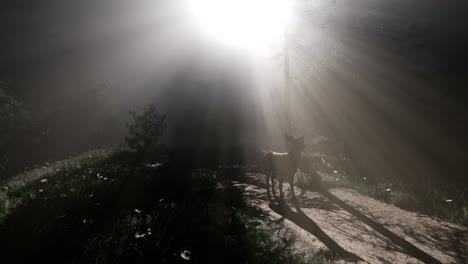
point(12, 117)
point(15, 127)
point(146, 130)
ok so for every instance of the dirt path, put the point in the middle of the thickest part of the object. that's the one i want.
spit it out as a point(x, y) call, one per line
point(353, 227)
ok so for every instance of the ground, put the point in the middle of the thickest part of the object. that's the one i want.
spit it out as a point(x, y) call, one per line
point(106, 207)
point(348, 226)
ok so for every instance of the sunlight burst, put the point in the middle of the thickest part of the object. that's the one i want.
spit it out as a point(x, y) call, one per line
point(243, 23)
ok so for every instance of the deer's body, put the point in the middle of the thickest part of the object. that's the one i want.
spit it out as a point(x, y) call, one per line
point(283, 166)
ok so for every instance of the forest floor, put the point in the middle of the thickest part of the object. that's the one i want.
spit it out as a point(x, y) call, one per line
point(107, 207)
point(347, 226)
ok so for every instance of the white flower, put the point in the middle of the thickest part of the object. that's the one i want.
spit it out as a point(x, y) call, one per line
point(44, 180)
point(448, 200)
point(139, 235)
point(388, 190)
point(138, 211)
point(186, 254)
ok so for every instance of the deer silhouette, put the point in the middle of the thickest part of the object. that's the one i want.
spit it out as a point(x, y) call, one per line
point(283, 166)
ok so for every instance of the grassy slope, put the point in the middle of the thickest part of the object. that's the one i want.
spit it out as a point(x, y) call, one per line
point(104, 207)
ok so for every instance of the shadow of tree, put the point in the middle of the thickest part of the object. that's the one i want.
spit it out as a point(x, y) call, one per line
point(359, 223)
point(447, 238)
point(408, 248)
point(303, 221)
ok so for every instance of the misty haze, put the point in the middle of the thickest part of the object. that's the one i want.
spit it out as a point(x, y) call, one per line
point(233, 131)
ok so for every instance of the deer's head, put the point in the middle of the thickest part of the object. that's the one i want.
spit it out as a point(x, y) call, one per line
point(296, 145)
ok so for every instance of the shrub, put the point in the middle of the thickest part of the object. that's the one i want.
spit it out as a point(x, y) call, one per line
point(12, 117)
point(146, 130)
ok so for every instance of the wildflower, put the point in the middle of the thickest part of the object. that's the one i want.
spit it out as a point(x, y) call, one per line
point(139, 235)
point(40, 190)
point(87, 221)
point(335, 171)
point(186, 254)
point(388, 190)
point(448, 200)
point(44, 180)
point(138, 211)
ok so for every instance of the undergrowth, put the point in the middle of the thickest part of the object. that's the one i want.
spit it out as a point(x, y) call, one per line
point(110, 207)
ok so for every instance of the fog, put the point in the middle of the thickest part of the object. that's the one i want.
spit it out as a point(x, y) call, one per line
point(382, 83)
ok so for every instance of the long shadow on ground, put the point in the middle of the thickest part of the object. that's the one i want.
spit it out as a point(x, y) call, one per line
point(435, 233)
point(408, 248)
point(303, 221)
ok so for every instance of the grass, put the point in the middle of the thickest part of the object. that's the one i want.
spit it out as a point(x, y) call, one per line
point(108, 207)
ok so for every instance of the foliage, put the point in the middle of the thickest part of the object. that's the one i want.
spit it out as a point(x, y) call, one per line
point(88, 211)
point(15, 124)
point(13, 117)
point(146, 130)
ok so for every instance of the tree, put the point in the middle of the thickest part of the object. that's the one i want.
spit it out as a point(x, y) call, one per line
point(146, 130)
point(13, 118)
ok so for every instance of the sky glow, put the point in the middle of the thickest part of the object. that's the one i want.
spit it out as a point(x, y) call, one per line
point(251, 24)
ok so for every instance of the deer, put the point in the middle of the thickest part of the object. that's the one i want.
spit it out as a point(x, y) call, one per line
point(283, 166)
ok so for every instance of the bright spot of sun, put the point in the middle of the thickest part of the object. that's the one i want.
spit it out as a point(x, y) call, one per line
point(248, 24)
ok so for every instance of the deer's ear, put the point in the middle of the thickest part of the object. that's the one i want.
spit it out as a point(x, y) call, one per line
point(288, 138)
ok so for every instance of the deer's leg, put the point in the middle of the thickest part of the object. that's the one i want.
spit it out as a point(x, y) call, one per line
point(268, 184)
point(273, 176)
point(281, 188)
point(291, 186)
